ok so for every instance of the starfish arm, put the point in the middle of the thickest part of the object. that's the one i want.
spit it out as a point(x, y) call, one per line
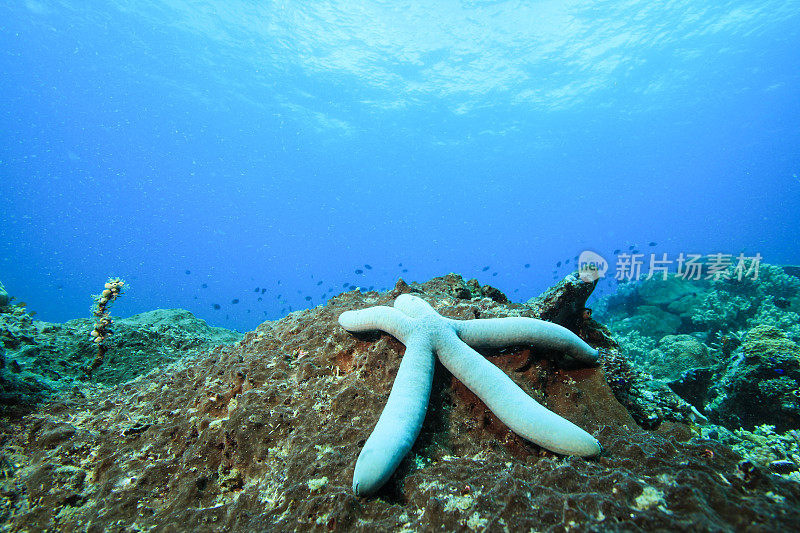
point(380, 317)
point(400, 421)
point(414, 306)
point(498, 332)
point(521, 413)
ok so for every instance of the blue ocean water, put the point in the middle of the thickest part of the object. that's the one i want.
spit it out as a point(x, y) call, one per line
point(276, 153)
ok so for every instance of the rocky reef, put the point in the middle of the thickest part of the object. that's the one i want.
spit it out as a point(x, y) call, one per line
point(262, 434)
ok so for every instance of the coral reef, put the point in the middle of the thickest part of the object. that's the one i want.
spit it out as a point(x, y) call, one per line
point(735, 357)
point(263, 435)
point(760, 385)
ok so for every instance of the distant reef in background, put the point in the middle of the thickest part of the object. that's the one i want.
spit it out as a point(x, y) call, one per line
point(207, 429)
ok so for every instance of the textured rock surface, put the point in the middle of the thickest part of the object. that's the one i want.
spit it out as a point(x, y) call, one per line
point(263, 435)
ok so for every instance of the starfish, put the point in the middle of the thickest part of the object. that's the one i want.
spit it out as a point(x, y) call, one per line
point(425, 332)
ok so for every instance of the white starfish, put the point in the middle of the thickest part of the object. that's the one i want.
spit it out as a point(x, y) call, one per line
point(425, 332)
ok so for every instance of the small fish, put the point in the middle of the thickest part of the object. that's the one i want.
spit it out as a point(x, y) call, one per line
point(484, 269)
point(216, 307)
point(359, 271)
point(204, 285)
point(188, 272)
point(527, 265)
point(346, 284)
point(566, 262)
point(399, 264)
point(319, 283)
point(652, 244)
point(558, 264)
point(256, 289)
point(494, 273)
point(308, 298)
point(235, 301)
point(631, 247)
point(260, 298)
point(405, 270)
point(617, 251)
point(263, 291)
point(368, 267)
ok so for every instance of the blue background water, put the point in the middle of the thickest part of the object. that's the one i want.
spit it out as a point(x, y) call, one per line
point(289, 144)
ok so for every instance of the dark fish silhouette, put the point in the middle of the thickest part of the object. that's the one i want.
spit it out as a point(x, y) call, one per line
point(566, 262)
point(405, 270)
point(263, 291)
point(308, 298)
point(359, 271)
point(188, 272)
point(319, 283)
point(652, 244)
point(484, 269)
point(367, 266)
point(399, 264)
point(256, 290)
point(631, 247)
point(558, 264)
point(235, 301)
point(260, 298)
point(527, 265)
point(494, 273)
point(216, 307)
point(204, 285)
point(617, 251)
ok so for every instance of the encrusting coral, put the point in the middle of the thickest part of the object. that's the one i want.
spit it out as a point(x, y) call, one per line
point(101, 331)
